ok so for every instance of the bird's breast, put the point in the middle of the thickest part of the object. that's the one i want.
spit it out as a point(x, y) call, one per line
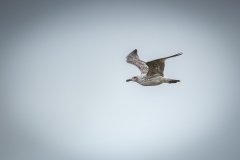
point(146, 81)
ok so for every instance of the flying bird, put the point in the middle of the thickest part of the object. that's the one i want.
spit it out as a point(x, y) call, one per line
point(152, 72)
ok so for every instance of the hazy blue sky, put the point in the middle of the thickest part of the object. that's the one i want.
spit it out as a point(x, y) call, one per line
point(63, 90)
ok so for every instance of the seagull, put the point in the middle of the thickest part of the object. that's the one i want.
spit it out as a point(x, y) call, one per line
point(151, 72)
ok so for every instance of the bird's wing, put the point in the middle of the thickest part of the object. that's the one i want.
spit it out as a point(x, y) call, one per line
point(133, 58)
point(156, 67)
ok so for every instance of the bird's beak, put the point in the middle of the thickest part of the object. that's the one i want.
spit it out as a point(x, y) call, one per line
point(128, 80)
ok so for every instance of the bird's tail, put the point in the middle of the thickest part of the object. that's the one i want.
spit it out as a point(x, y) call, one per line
point(173, 81)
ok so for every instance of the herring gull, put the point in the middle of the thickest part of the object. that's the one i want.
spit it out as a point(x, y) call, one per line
point(151, 72)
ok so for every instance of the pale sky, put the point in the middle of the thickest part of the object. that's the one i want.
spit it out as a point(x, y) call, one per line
point(63, 81)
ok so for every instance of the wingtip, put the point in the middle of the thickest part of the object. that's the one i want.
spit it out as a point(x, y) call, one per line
point(134, 51)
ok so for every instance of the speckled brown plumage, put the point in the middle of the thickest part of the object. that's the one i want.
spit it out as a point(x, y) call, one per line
point(152, 72)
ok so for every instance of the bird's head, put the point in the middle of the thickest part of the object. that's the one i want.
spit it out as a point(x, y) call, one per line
point(134, 79)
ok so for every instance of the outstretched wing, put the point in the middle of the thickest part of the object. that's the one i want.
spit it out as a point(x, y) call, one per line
point(156, 67)
point(133, 58)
